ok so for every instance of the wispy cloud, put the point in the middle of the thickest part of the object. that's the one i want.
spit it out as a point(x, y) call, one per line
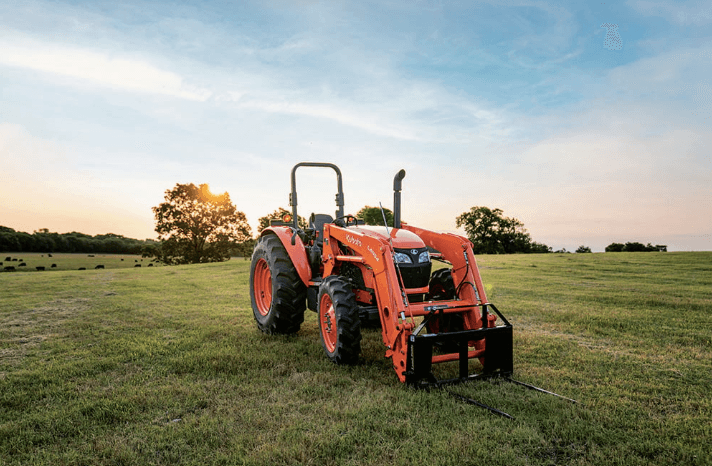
point(330, 112)
point(99, 68)
point(696, 12)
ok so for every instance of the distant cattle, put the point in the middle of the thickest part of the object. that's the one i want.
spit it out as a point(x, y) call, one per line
point(137, 265)
point(150, 265)
point(122, 259)
point(9, 268)
point(22, 264)
point(40, 268)
point(82, 268)
point(90, 255)
point(49, 255)
point(8, 258)
point(14, 259)
point(0, 264)
point(99, 267)
point(54, 265)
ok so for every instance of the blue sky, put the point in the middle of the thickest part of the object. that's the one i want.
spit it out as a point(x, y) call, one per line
point(587, 134)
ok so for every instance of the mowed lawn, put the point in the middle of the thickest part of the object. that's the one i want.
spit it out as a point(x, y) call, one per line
point(165, 365)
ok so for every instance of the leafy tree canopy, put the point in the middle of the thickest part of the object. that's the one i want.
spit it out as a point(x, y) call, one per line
point(635, 247)
point(373, 215)
point(492, 233)
point(195, 225)
point(279, 215)
point(583, 249)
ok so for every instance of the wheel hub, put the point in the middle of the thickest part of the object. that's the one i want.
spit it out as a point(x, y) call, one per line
point(328, 323)
point(263, 287)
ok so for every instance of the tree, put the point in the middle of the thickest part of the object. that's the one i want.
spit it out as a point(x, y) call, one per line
point(492, 233)
point(43, 240)
point(195, 225)
point(615, 247)
point(583, 249)
point(373, 215)
point(279, 215)
point(539, 248)
point(635, 246)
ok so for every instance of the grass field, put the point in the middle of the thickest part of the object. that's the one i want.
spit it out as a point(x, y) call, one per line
point(32, 260)
point(165, 365)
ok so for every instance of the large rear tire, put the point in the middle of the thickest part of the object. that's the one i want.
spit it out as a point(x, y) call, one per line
point(277, 293)
point(339, 322)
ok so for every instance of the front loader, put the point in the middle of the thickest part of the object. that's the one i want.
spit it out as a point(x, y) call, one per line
point(353, 274)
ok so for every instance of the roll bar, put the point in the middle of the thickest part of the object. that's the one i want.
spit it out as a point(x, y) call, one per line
point(293, 194)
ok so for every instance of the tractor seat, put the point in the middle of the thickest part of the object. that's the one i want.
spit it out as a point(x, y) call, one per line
point(317, 221)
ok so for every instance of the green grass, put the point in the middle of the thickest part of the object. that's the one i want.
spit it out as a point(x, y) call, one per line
point(70, 261)
point(165, 366)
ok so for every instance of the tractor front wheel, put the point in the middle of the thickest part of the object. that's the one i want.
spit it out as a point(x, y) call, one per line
point(339, 323)
point(277, 293)
point(442, 287)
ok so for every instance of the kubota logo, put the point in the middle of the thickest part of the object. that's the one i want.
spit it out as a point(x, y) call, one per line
point(374, 253)
point(353, 240)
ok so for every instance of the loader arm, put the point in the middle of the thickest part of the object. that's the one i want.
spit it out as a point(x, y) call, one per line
point(377, 256)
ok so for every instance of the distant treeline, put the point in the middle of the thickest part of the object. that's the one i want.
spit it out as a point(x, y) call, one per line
point(635, 247)
point(44, 241)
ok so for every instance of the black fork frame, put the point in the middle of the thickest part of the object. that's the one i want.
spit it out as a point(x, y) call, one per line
point(498, 360)
point(497, 356)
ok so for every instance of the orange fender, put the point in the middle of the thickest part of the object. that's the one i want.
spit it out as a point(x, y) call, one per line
point(297, 253)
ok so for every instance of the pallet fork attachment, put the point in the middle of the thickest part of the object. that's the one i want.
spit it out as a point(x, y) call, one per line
point(497, 359)
point(497, 355)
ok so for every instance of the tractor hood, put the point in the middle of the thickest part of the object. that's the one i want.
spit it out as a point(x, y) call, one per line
point(402, 239)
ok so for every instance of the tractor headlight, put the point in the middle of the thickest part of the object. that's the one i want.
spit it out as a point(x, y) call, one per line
point(402, 258)
point(424, 257)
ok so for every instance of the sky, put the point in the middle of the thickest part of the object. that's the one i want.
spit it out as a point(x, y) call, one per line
point(590, 122)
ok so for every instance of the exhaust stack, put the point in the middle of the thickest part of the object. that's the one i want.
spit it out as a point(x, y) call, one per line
point(397, 198)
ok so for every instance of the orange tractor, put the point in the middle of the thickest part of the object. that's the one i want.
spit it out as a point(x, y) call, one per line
point(352, 274)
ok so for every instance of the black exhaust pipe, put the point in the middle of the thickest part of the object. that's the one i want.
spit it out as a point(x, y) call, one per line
point(397, 198)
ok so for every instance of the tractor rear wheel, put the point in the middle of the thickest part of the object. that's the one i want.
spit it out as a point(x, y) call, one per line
point(339, 323)
point(277, 293)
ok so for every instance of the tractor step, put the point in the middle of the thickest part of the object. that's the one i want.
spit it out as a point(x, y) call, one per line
point(369, 316)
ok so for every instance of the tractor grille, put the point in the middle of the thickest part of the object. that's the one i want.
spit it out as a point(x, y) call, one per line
point(416, 274)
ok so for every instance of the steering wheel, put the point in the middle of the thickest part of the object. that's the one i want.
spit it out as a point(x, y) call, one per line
point(349, 220)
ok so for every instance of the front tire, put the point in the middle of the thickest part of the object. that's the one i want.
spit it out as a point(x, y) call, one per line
point(442, 287)
point(277, 293)
point(339, 322)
